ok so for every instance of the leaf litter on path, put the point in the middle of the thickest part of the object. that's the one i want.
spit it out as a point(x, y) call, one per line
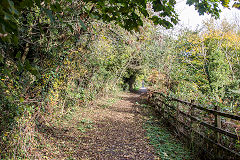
point(107, 133)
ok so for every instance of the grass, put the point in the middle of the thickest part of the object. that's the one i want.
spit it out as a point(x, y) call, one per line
point(167, 147)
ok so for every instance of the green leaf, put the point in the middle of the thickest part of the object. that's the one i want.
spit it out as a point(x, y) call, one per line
point(35, 72)
point(38, 2)
point(47, 1)
point(1, 58)
point(56, 7)
point(18, 55)
point(15, 39)
point(31, 69)
point(3, 85)
point(3, 28)
point(50, 15)
point(7, 16)
point(11, 4)
point(70, 27)
point(236, 5)
point(12, 8)
point(83, 25)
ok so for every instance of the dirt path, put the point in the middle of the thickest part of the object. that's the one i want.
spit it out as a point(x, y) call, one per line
point(101, 132)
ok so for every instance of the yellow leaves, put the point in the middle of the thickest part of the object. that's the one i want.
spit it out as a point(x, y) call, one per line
point(229, 38)
point(103, 37)
point(45, 157)
point(6, 134)
point(194, 39)
point(53, 97)
point(226, 39)
point(80, 49)
point(21, 99)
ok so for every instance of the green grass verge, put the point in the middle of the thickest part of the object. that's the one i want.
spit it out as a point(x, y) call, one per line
point(167, 147)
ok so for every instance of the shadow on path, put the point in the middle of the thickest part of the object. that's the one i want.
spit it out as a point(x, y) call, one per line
point(116, 133)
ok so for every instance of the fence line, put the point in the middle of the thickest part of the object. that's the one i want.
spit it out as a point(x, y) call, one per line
point(156, 97)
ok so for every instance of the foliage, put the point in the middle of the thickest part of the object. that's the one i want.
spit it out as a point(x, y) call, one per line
point(200, 65)
point(208, 57)
point(54, 69)
point(211, 6)
point(128, 14)
point(57, 55)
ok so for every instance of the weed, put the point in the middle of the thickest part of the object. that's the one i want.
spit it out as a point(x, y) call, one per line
point(112, 100)
point(104, 106)
point(70, 158)
point(144, 105)
point(85, 124)
point(89, 126)
point(83, 121)
point(82, 129)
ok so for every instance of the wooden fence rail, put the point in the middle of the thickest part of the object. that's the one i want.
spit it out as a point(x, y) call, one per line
point(164, 100)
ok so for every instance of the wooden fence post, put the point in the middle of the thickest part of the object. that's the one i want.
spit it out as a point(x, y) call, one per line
point(177, 115)
point(191, 121)
point(164, 107)
point(179, 125)
point(192, 110)
point(217, 123)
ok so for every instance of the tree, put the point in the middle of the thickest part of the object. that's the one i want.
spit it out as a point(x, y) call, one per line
point(212, 6)
point(126, 13)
